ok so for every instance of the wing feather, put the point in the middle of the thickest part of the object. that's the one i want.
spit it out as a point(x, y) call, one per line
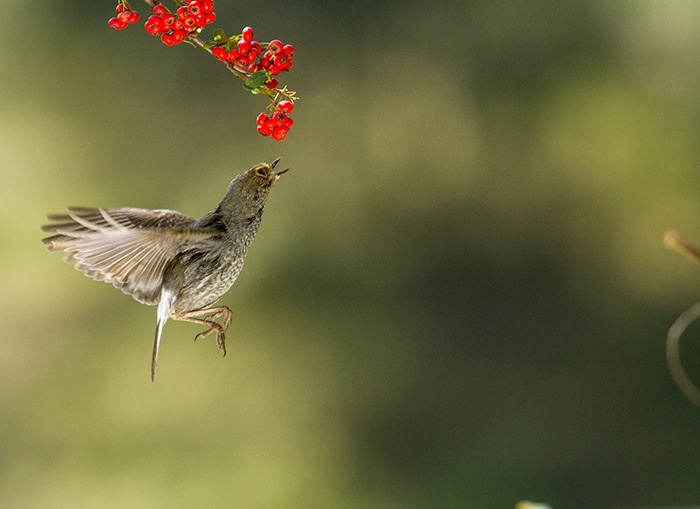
point(130, 248)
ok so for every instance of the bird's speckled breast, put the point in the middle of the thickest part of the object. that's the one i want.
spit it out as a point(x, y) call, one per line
point(204, 287)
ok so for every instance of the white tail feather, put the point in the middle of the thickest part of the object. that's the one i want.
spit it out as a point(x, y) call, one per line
point(164, 308)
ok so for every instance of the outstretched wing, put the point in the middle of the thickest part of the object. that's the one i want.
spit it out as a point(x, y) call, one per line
point(127, 247)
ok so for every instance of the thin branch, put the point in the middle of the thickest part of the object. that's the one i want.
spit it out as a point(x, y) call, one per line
point(674, 241)
point(673, 354)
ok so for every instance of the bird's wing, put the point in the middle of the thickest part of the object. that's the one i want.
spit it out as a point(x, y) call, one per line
point(127, 247)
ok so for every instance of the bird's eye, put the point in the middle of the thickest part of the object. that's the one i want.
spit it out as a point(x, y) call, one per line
point(261, 172)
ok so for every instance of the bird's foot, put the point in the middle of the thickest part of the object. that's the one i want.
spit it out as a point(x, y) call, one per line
point(214, 327)
point(220, 336)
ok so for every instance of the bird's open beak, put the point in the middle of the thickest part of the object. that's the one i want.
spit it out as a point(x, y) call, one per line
point(273, 164)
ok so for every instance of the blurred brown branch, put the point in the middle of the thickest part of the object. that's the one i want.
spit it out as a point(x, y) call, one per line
point(673, 240)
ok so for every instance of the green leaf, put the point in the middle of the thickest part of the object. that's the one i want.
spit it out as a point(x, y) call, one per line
point(219, 35)
point(255, 80)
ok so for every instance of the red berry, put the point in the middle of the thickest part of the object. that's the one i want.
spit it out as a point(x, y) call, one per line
point(207, 5)
point(124, 17)
point(173, 38)
point(134, 17)
point(120, 8)
point(179, 36)
point(154, 25)
point(199, 20)
point(275, 46)
point(265, 130)
point(280, 61)
point(168, 20)
point(183, 12)
point(190, 24)
point(288, 50)
point(242, 62)
point(247, 34)
point(160, 10)
point(117, 24)
point(280, 132)
point(219, 52)
point(272, 83)
point(168, 39)
point(262, 118)
point(285, 106)
point(195, 7)
point(209, 18)
point(243, 46)
point(232, 56)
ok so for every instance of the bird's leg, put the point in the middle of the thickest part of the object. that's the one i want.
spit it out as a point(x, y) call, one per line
point(213, 327)
point(213, 313)
point(219, 311)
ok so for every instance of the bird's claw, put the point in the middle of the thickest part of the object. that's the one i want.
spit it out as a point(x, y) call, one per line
point(221, 343)
point(220, 337)
point(204, 334)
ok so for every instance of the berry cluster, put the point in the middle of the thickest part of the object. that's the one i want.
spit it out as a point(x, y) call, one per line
point(125, 17)
point(252, 56)
point(278, 123)
point(175, 28)
point(257, 64)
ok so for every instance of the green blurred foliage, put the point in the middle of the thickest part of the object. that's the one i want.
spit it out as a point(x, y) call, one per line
point(458, 296)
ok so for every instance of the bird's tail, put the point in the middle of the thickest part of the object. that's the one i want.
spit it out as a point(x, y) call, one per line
point(164, 308)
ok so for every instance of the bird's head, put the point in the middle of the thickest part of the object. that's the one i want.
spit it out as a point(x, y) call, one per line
point(247, 192)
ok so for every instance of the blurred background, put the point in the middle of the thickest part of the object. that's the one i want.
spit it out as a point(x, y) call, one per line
point(458, 296)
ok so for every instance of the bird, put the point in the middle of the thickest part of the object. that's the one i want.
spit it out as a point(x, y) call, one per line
point(165, 258)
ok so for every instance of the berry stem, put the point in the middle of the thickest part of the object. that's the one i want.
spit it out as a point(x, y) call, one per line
point(199, 42)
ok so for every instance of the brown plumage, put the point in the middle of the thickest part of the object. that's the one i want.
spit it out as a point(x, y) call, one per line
point(166, 258)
